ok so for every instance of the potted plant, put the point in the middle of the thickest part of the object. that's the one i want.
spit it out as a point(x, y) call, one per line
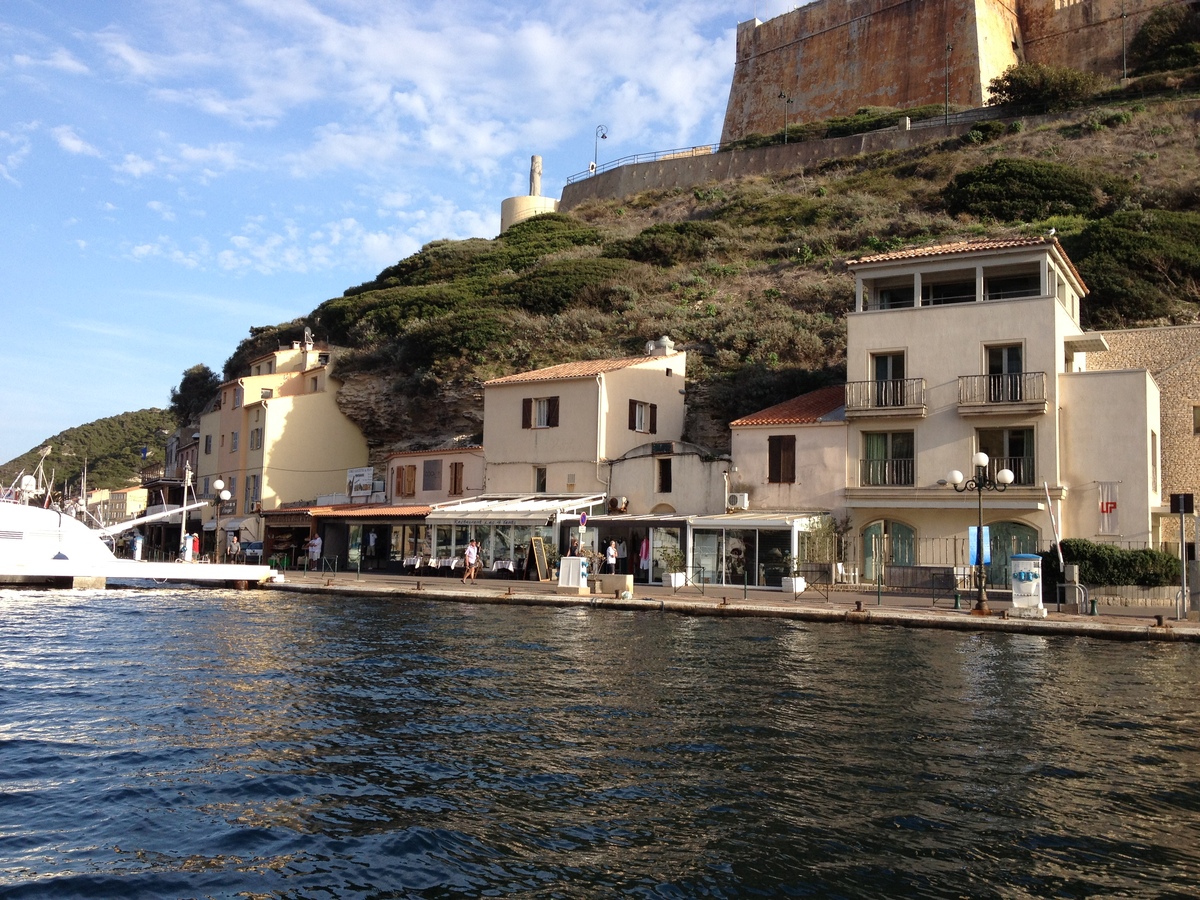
point(792, 582)
point(674, 563)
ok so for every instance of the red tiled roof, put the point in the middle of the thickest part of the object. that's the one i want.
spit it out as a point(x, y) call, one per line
point(806, 409)
point(956, 247)
point(583, 369)
point(1049, 242)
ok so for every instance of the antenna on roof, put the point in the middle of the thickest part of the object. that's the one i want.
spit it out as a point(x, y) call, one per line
point(308, 339)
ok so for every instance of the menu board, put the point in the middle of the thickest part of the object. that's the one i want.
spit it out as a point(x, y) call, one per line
point(539, 557)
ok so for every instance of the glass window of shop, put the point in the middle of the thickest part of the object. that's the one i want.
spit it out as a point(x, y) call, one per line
point(774, 555)
point(662, 540)
point(727, 556)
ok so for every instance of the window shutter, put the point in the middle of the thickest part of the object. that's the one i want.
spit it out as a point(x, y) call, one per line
point(787, 461)
point(527, 412)
point(774, 467)
point(552, 412)
point(633, 415)
point(654, 418)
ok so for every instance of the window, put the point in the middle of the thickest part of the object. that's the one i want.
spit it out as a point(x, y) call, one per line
point(406, 481)
point(1196, 420)
point(1154, 486)
point(947, 292)
point(1005, 384)
point(888, 459)
point(539, 413)
point(643, 417)
point(208, 443)
point(664, 476)
point(237, 397)
point(894, 297)
point(233, 442)
point(251, 492)
point(539, 479)
point(266, 393)
point(1012, 286)
point(781, 459)
point(255, 438)
point(206, 491)
point(313, 384)
point(431, 475)
point(889, 378)
point(1009, 448)
point(456, 479)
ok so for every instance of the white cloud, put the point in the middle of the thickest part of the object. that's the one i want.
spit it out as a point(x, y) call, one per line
point(71, 142)
point(134, 165)
point(18, 149)
point(162, 209)
point(59, 59)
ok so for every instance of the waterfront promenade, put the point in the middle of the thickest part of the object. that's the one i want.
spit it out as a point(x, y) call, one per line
point(850, 604)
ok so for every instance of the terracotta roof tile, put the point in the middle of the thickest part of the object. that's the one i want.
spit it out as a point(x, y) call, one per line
point(583, 369)
point(807, 409)
point(955, 247)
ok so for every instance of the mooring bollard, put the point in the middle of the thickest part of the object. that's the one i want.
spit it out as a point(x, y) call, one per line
point(858, 606)
point(957, 600)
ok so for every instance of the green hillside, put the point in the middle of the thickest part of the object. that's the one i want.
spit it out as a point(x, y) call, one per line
point(112, 449)
point(749, 276)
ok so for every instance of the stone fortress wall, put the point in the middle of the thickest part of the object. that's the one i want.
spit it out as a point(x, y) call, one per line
point(833, 57)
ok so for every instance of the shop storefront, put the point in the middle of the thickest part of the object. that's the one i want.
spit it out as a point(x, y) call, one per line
point(504, 527)
point(735, 549)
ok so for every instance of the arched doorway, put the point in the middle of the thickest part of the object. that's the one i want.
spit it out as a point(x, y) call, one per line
point(1008, 538)
point(893, 542)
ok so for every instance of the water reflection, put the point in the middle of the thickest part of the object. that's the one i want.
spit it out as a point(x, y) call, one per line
point(180, 744)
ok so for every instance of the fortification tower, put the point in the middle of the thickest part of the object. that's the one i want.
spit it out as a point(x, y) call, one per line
point(833, 57)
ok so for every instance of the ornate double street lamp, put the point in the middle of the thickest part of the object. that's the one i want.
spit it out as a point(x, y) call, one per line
point(979, 483)
point(222, 496)
point(601, 135)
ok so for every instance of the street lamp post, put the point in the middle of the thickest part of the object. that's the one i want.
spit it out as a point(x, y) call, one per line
point(786, 101)
point(980, 482)
point(222, 496)
point(601, 135)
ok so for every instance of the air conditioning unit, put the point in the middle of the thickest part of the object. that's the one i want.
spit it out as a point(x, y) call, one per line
point(737, 501)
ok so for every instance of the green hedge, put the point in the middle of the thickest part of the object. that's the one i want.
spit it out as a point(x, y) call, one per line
point(1107, 564)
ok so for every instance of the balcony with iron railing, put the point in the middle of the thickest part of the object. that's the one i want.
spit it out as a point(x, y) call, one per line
point(1021, 392)
point(887, 472)
point(1020, 466)
point(886, 397)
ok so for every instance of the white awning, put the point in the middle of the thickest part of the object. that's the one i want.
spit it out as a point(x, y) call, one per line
point(535, 509)
point(756, 520)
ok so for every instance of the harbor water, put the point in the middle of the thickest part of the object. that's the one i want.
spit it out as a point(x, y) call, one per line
point(178, 743)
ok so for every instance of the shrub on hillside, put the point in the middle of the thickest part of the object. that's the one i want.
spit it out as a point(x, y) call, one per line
point(1167, 39)
point(1022, 190)
point(1108, 564)
point(527, 242)
point(1036, 86)
point(1138, 265)
point(557, 285)
point(670, 244)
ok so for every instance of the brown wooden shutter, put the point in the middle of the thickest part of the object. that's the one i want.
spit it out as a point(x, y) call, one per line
point(633, 415)
point(788, 460)
point(654, 418)
point(552, 412)
point(527, 413)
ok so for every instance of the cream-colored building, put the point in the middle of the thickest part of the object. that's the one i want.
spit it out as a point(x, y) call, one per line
point(276, 436)
point(426, 477)
point(956, 349)
point(554, 430)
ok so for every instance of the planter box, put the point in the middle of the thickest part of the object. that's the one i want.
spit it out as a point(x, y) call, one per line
point(611, 584)
point(794, 585)
point(674, 579)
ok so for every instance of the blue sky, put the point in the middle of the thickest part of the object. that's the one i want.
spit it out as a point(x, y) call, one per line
point(174, 172)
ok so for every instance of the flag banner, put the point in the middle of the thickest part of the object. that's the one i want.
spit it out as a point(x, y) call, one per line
point(987, 545)
point(1108, 508)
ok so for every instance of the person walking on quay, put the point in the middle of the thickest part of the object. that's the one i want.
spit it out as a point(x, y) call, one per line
point(234, 549)
point(610, 559)
point(185, 548)
point(470, 559)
